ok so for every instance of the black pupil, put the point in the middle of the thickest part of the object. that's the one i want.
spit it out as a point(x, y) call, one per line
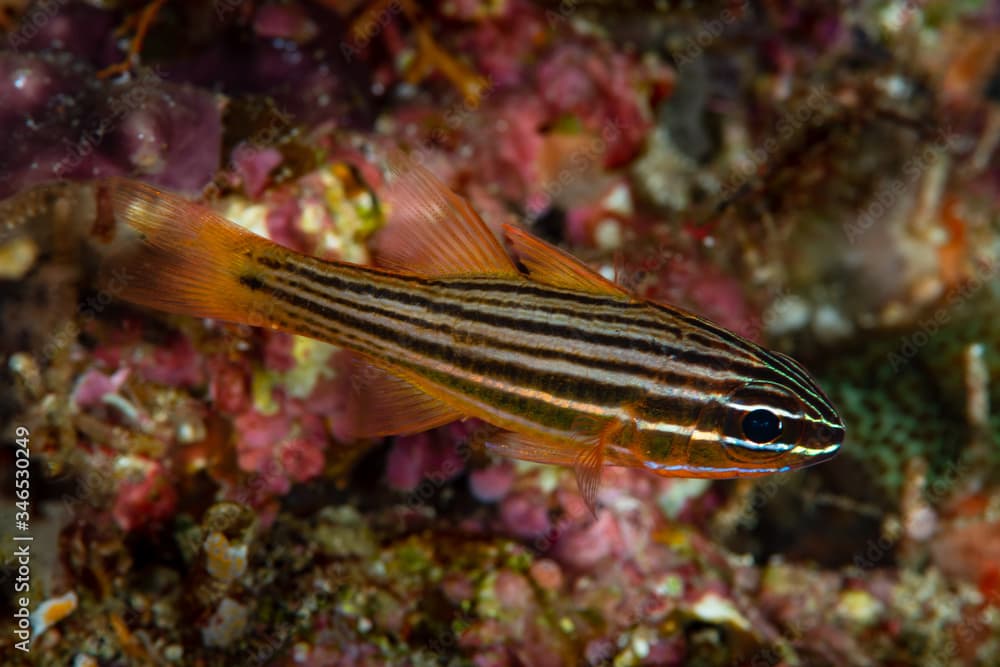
point(761, 425)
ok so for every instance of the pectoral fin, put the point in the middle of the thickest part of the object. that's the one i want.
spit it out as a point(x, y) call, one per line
point(609, 448)
point(588, 467)
point(588, 454)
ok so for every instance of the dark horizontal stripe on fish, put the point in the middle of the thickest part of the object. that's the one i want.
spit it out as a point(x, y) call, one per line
point(514, 375)
point(533, 289)
point(513, 405)
point(781, 366)
point(656, 374)
point(532, 353)
point(699, 323)
point(552, 297)
point(588, 392)
point(597, 363)
point(301, 327)
point(716, 359)
point(367, 283)
point(506, 286)
point(606, 315)
point(806, 385)
point(638, 318)
point(529, 353)
point(640, 309)
point(643, 313)
point(660, 409)
point(517, 408)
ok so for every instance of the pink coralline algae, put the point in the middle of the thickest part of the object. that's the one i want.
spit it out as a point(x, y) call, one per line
point(704, 289)
point(254, 165)
point(583, 547)
point(602, 93)
point(514, 145)
point(283, 214)
point(283, 440)
point(435, 457)
point(229, 387)
point(282, 448)
point(648, 139)
point(169, 133)
point(176, 146)
point(525, 516)
point(289, 22)
point(145, 496)
point(302, 458)
point(547, 574)
point(94, 385)
point(60, 32)
point(512, 590)
point(504, 45)
point(408, 462)
point(175, 364)
point(278, 353)
point(258, 435)
point(491, 484)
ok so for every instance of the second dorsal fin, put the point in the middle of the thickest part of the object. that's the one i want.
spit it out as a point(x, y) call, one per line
point(432, 231)
point(549, 265)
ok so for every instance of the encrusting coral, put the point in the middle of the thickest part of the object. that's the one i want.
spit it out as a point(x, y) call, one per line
point(818, 177)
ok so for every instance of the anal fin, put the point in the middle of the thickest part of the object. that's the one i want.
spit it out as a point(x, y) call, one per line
point(382, 403)
point(529, 448)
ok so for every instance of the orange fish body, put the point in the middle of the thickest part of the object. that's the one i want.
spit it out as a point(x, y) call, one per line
point(568, 367)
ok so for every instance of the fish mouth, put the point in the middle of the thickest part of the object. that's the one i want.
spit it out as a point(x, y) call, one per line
point(822, 445)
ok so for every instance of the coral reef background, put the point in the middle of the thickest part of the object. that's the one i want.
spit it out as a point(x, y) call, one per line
point(819, 176)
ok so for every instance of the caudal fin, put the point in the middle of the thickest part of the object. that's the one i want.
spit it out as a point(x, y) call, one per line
point(176, 255)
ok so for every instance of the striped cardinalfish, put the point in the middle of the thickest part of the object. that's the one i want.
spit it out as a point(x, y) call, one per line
point(566, 366)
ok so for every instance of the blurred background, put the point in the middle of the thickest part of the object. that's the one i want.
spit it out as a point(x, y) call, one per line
point(820, 177)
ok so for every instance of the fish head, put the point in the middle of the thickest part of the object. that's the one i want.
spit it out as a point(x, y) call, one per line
point(777, 421)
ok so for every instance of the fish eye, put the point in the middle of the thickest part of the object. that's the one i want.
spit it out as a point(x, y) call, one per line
point(761, 425)
point(757, 423)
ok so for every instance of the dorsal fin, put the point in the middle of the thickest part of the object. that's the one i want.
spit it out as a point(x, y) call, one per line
point(432, 231)
point(549, 265)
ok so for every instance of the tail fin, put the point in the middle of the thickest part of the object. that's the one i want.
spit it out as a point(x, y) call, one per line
point(179, 256)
